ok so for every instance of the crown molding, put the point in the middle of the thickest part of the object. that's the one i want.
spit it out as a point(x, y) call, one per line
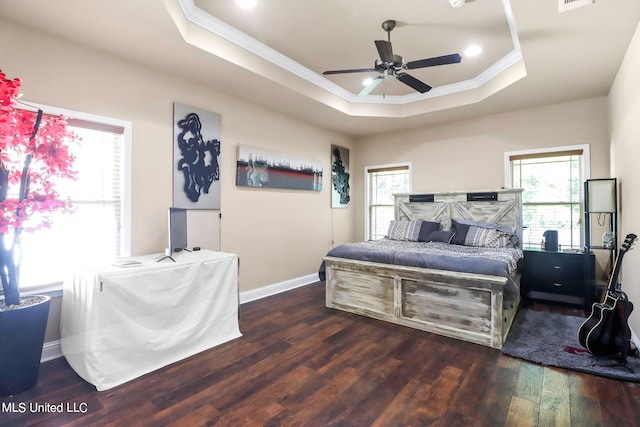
point(209, 33)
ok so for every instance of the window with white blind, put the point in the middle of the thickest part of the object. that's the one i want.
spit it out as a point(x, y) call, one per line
point(97, 231)
point(552, 199)
point(382, 182)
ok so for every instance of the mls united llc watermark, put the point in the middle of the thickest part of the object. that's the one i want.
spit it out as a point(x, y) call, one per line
point(35, 407)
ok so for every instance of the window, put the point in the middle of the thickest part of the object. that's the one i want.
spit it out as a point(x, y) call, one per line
point(382, 183)
point(98, 228)
point(553, 196)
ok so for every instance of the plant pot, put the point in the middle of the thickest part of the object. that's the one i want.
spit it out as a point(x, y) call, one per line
point(21, 338)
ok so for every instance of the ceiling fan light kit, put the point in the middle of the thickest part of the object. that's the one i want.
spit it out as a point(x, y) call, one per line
point(247, 4)
point(390, 65)
point(473, 50)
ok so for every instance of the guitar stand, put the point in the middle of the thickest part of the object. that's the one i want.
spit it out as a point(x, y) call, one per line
point(627, 347)
point(621, 359)
point(620, 363)
point(629, 368)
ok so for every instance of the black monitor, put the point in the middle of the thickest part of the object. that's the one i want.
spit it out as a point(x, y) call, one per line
point(177, 229)
point(177, 232)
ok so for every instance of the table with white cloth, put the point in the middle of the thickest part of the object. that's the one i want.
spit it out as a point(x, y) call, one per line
point(119, 323)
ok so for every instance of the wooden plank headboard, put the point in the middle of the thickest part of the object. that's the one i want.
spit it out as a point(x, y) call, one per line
point(497, 206)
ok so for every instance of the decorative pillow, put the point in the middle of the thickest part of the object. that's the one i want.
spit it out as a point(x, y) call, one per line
point(460, 232)
point(414, 231)
point(487, 237)
point(485, 234)
point(444, 236)
point(426, 229)
point(485, 224)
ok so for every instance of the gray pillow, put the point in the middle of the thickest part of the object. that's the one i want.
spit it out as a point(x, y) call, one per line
point(444, 236)
point(413, 231)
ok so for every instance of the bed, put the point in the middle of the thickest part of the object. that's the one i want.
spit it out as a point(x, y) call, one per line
point(443, 285)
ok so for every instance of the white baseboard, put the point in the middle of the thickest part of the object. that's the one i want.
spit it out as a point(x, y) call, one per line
point(52, 349)
point(634, 338)
point(267, 291)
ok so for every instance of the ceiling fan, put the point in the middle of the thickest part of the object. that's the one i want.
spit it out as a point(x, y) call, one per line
point(390, 65)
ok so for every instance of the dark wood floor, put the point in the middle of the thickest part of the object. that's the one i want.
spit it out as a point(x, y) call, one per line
point(301, 364)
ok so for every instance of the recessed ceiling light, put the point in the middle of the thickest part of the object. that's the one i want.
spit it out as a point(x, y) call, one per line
point(472, 50)
point(367, 82)
point(247, 4)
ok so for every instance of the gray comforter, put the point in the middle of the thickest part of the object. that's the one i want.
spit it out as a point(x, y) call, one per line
point(501, 262)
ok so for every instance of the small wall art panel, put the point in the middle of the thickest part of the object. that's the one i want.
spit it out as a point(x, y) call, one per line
point(196, 158)
point(339, 177)
point(257, 167)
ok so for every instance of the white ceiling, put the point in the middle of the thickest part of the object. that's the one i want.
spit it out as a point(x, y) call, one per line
point(532, 55)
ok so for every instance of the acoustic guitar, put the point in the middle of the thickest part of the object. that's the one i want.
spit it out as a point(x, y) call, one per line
point(606, 332)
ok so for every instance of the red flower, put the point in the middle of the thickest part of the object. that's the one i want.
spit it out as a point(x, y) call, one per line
point(33, 150)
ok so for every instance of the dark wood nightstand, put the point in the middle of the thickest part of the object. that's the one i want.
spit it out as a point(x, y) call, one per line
point(563, 277)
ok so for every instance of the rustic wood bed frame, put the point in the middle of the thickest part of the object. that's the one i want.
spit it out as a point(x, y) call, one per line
point(465, 306)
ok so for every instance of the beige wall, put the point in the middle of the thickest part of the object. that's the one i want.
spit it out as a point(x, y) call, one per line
point(279, 235)
point(624, 112)
point(469, 155)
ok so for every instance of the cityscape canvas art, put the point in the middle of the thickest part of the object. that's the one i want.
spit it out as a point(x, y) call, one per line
point(257, 167)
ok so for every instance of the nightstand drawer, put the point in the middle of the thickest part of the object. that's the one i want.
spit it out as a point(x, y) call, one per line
point(556, 276)
point(557, 273)
point(560, 286)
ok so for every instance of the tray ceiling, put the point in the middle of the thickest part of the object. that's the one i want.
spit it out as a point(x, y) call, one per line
point(274, 55)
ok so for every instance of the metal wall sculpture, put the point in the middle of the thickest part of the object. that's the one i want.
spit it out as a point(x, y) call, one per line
point(339, 177)
point(196, 158)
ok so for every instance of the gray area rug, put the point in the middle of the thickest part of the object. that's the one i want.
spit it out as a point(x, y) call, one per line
point(552, 339)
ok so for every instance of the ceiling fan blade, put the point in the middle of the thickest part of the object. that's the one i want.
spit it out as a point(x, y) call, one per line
point(357, 70)
point(370, 86)
point(384, 50)
point(437, 60)
point(413, 82)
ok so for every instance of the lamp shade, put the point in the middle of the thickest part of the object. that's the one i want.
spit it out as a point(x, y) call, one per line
point(601, 195)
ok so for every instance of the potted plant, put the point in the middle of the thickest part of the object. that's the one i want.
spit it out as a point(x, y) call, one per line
point(34, 150)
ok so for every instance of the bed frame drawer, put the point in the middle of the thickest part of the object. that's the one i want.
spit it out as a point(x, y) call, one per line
point(447, 306)
point(362, 293)
point(463, 306)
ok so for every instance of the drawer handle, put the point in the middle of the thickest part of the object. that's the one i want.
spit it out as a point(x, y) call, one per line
point(557, 267)
point(558, 285)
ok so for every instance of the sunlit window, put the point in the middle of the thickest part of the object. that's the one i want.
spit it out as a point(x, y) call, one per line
point(382, 183)
point(553, 195)
point(95, 232)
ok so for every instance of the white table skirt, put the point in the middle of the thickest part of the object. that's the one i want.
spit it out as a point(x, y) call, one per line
point(120, 323)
